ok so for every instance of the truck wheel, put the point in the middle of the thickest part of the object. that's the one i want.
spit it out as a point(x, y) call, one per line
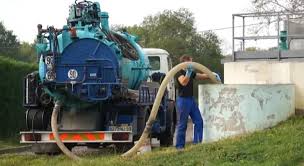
point(166, 138)
point(142, 118)
point(49, 148)
point(123, 147)
point(46, 148)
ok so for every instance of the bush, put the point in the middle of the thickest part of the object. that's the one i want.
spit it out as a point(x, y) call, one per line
point(12, 114)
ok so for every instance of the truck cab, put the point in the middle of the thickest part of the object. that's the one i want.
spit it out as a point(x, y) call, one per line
point(160, 62)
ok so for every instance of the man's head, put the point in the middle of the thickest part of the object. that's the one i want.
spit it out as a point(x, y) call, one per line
point(185, 58)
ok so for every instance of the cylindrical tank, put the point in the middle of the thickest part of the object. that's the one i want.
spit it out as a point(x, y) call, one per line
point(131, 71)
point(88, 60)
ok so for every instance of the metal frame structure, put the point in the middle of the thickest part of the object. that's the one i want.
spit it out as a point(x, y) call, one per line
point(262, 55)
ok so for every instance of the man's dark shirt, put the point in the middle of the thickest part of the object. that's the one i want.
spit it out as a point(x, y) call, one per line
point(185, 91)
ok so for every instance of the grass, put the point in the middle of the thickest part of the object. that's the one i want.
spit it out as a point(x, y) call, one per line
point(282, 145)
point(8, 143)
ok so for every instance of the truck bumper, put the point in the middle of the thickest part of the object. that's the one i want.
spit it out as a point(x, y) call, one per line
point(77, 137)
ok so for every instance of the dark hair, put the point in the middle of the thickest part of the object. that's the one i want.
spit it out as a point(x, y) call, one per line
point(185, 58)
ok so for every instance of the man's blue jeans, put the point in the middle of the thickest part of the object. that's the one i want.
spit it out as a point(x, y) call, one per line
point(186, 106)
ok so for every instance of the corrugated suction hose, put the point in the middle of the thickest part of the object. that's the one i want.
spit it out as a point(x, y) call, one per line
point(152, 116)
point(54, 125)
point(159, 97)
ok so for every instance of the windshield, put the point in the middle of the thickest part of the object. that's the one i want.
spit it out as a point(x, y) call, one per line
point(154, 62)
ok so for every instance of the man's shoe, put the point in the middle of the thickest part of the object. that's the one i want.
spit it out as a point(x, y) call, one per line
point(180, 150)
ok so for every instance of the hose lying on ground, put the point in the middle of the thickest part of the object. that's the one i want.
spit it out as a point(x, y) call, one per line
point(152, 116)
point(159, 97)
point(54, 125)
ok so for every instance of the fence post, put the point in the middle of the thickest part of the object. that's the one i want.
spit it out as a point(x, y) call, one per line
point(233, 55)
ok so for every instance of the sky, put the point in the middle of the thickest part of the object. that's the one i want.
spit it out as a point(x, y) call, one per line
point(22, 16)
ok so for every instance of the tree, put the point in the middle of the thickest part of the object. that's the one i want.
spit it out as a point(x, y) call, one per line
point(170, 30)
point(278, 5)
point(27, 52)
point(8, 42)
point(11, 47)
point(293, 7)
point(175, 32)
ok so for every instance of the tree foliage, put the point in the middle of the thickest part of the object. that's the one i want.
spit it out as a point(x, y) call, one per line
point(27, 52)
point(278, 5)
point(8, 42)
point(11, 47)
point(175, 32)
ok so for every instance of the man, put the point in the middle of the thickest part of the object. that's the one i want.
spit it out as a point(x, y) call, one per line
point(186, 104)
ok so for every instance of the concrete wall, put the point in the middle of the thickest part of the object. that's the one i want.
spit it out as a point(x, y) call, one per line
point(267, 72)
point(230, 110)
point(297, 78)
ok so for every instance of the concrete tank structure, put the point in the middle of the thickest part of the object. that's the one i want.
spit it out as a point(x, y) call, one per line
point(230, 110)
point(268, 72)
point(281, 64)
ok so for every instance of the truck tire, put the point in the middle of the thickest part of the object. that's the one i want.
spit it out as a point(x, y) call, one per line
point(49, 148)
point(123, 147)
point(46, 148)
point(166, 138)
point(142, 118)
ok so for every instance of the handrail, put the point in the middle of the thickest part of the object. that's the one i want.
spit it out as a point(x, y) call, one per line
point(278, 37)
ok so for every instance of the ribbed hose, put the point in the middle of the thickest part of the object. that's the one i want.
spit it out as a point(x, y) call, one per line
point(159, 97)
point(152, 116)
point(54, 125)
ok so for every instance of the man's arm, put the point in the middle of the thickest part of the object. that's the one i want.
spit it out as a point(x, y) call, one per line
point(201, 76)
point(183, 80)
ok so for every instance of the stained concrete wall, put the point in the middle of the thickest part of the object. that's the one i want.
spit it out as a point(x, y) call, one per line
point(230, 110)
point(267, 72)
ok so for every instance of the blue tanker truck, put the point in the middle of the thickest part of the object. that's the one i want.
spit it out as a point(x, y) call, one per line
point(103, 79)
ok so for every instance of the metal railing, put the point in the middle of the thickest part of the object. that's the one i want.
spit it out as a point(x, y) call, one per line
point(276, 53)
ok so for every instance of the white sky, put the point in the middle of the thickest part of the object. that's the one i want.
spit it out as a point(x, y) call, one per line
point(22, 16)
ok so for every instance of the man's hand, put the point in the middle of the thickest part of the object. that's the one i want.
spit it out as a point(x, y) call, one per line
point(217, 76)
point(189, 70)
point(184, 79)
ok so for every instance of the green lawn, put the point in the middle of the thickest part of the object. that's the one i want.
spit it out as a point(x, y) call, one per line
point(8, 143)
point(282, 145)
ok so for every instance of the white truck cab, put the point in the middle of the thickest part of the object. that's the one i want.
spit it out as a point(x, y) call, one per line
point(160, 62)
